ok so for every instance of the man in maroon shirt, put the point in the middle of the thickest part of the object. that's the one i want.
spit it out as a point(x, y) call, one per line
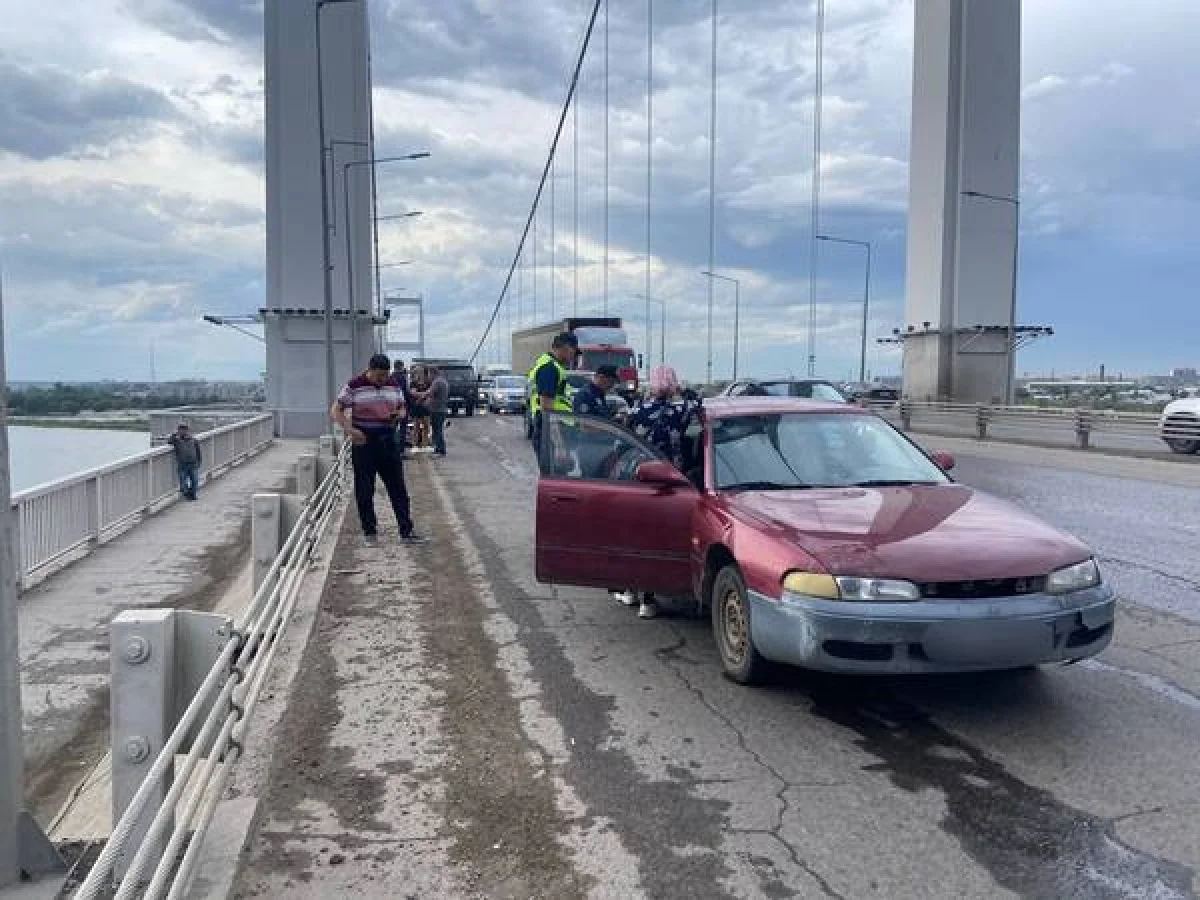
point(367, 409)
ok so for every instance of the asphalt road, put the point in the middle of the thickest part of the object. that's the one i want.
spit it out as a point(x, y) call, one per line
point(488, 736)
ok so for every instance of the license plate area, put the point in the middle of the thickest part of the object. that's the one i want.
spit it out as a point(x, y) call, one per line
point(989, 643)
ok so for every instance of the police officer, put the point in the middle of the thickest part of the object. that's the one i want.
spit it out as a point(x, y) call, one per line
point(548, 382)
point(590, 400)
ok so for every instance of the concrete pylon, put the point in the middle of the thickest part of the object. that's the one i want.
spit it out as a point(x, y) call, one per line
point(294, 314)
point(963, 200)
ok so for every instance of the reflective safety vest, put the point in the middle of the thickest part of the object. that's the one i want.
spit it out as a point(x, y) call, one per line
point(561, 402)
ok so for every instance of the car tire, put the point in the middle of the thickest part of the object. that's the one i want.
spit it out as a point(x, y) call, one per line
point(740, 661)
point(1183, 446)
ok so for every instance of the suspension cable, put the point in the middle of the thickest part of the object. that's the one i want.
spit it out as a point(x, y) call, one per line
point(562, 118)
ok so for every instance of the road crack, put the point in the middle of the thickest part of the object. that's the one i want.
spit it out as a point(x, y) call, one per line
point(670, 656)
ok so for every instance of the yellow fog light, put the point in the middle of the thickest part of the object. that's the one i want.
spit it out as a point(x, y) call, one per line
point(812, 584)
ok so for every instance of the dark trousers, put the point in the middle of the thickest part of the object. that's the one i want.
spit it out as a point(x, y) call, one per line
point(188, 479)
point(380, 456)
point(438, 420)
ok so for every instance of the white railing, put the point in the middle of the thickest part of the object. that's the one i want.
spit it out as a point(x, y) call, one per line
point(219, 715)
point(59, 520)
point(1081, 428)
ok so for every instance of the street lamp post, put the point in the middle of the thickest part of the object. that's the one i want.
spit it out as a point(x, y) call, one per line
point(353, 311)
point(737, 304)
point(862, 353)
point(330, 382)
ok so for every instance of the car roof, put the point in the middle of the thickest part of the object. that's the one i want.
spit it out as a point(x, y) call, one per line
point(727, 407)
point(785, 379)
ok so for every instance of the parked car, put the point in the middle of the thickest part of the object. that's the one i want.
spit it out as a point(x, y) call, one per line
point(807, 388)
point(507, 394)
point(463, 382)
point(819, 536)
point(874, 395)
point(1179, 426)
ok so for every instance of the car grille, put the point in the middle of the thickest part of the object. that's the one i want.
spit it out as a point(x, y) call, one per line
point(982, 589)
point(1184, 426)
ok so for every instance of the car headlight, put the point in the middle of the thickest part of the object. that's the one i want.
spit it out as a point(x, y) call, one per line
point(1078, 577)
point(851, 588)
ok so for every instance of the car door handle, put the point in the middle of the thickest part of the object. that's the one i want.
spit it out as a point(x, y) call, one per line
point(564, 498)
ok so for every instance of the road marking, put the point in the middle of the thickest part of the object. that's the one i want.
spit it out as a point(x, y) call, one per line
point(1155, 683)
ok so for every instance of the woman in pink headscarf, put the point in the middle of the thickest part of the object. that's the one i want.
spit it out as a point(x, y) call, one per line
point(662, 420)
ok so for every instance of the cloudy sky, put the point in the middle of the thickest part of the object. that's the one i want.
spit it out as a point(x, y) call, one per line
point(131, 184)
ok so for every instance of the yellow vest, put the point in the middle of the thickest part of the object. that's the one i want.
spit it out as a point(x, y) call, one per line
point(561, 403)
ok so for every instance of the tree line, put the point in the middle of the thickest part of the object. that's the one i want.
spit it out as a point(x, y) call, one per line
point(72, 399)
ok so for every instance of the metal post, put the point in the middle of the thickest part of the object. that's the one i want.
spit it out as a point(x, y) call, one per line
point(737, 307)
point(816, 188)
point(712, 193)
point(350, 271)
point(142, 706)
point(606, 163)
point(12, 759)
point(649, 163)
point(862, 356)
point(330, 381)
point(265, 532)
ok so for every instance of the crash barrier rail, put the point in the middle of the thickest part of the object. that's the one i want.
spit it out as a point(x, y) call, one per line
point(162, 422)
point(57, 519)
point(166, 801)
point(1081, 428)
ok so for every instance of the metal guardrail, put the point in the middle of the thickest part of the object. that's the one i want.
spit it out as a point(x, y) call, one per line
point(166, 848)
point(56, 519)
point(1081, 428)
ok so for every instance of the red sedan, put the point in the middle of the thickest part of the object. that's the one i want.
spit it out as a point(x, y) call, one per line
point(819, 536)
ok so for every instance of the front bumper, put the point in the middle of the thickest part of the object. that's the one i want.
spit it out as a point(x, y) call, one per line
point(932, 636)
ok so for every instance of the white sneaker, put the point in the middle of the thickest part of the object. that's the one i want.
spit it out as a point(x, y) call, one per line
point(625, 598)
point(648, 609)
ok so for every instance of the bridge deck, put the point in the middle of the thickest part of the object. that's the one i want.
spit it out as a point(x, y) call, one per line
point(185, 556)
point(457, 730)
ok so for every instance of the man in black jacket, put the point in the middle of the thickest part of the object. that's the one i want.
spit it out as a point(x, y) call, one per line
point(188, 459)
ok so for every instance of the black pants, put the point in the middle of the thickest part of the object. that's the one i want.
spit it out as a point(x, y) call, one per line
point(438, 420)
point(380, 456)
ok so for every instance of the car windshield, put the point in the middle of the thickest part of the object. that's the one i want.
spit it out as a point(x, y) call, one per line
point(814, 390)
point(510, 382)
point(810, 450)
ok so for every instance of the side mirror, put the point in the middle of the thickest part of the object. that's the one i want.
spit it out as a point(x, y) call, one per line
point(660, 473)
point(943, 461)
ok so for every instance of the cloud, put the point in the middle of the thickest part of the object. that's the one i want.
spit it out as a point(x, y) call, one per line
point(132, 197)
point(47, 111)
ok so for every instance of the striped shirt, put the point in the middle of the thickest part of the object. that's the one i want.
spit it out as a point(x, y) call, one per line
point(372, 407)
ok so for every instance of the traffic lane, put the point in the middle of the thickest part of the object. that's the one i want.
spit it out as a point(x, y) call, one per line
point(1055, 784)
point(1144, 533)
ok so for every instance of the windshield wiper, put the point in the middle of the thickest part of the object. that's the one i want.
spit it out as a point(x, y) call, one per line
point(764, 486)
point(890, 482)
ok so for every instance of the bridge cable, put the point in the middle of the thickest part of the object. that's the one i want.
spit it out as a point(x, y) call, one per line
point(562, 118)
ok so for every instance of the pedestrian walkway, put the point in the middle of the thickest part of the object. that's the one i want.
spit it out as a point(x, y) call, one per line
point(186, 556)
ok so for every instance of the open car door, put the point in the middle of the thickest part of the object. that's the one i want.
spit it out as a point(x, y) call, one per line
point(611, 513)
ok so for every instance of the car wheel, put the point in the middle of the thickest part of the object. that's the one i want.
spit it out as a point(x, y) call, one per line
point(1182, 445)
point(731, 628)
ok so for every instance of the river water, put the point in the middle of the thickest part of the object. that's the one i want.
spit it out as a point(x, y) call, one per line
point(38, 455)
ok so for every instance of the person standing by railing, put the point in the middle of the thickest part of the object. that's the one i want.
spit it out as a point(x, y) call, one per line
point(188, 459)
point(367, 409)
